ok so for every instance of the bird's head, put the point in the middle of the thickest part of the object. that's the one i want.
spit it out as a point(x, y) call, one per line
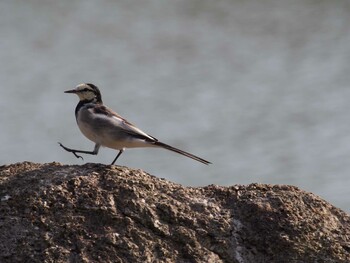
point(87, 92)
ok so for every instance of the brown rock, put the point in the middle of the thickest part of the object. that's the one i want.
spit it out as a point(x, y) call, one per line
point(101, 213)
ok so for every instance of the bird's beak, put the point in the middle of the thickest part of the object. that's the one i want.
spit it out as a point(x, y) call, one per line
point(71, 91)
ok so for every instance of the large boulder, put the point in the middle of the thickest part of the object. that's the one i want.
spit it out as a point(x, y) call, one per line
point(102, 213)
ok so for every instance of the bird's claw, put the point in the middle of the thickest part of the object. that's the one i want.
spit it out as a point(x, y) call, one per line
point(60, 144)
point(78, 156)
point(70, 150)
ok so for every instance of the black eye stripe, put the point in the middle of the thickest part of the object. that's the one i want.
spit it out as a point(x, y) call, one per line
point(85, 89)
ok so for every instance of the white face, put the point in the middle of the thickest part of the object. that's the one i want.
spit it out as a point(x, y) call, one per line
point(85, 92)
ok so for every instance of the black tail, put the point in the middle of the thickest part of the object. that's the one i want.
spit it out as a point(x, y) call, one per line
point(168, 147)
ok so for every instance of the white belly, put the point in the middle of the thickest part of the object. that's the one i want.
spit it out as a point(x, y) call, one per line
point(104, 137)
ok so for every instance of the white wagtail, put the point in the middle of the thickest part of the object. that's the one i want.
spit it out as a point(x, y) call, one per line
point(106, 128)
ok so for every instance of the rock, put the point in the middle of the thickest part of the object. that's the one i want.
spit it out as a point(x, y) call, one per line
point(102, 213)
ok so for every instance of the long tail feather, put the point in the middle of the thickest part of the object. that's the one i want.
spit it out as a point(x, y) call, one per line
point(168, 147)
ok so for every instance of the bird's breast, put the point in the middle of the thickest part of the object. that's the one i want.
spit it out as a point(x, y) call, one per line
point(106, 130)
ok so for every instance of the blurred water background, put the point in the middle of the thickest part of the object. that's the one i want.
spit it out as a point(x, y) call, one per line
point(259, 88)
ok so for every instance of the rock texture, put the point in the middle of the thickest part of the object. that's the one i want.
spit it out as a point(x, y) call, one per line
point(102, 213)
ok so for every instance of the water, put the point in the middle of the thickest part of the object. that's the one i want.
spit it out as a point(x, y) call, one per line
point(259, 88)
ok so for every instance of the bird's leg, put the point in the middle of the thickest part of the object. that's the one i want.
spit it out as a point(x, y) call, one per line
point(120, 152)
point(94, 152)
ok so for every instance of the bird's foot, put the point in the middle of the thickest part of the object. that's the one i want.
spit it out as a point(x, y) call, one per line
point(71, 151)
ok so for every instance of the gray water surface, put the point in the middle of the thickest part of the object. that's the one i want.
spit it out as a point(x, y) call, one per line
point(259, 88)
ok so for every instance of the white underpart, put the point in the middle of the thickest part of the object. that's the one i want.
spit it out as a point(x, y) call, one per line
point(110, 131)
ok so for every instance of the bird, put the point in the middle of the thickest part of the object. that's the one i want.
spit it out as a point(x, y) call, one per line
point(107, 128)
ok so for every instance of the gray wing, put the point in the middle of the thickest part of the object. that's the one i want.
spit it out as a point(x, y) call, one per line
point(107, 120)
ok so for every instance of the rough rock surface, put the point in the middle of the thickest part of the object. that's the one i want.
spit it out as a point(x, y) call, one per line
point(102, 213)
